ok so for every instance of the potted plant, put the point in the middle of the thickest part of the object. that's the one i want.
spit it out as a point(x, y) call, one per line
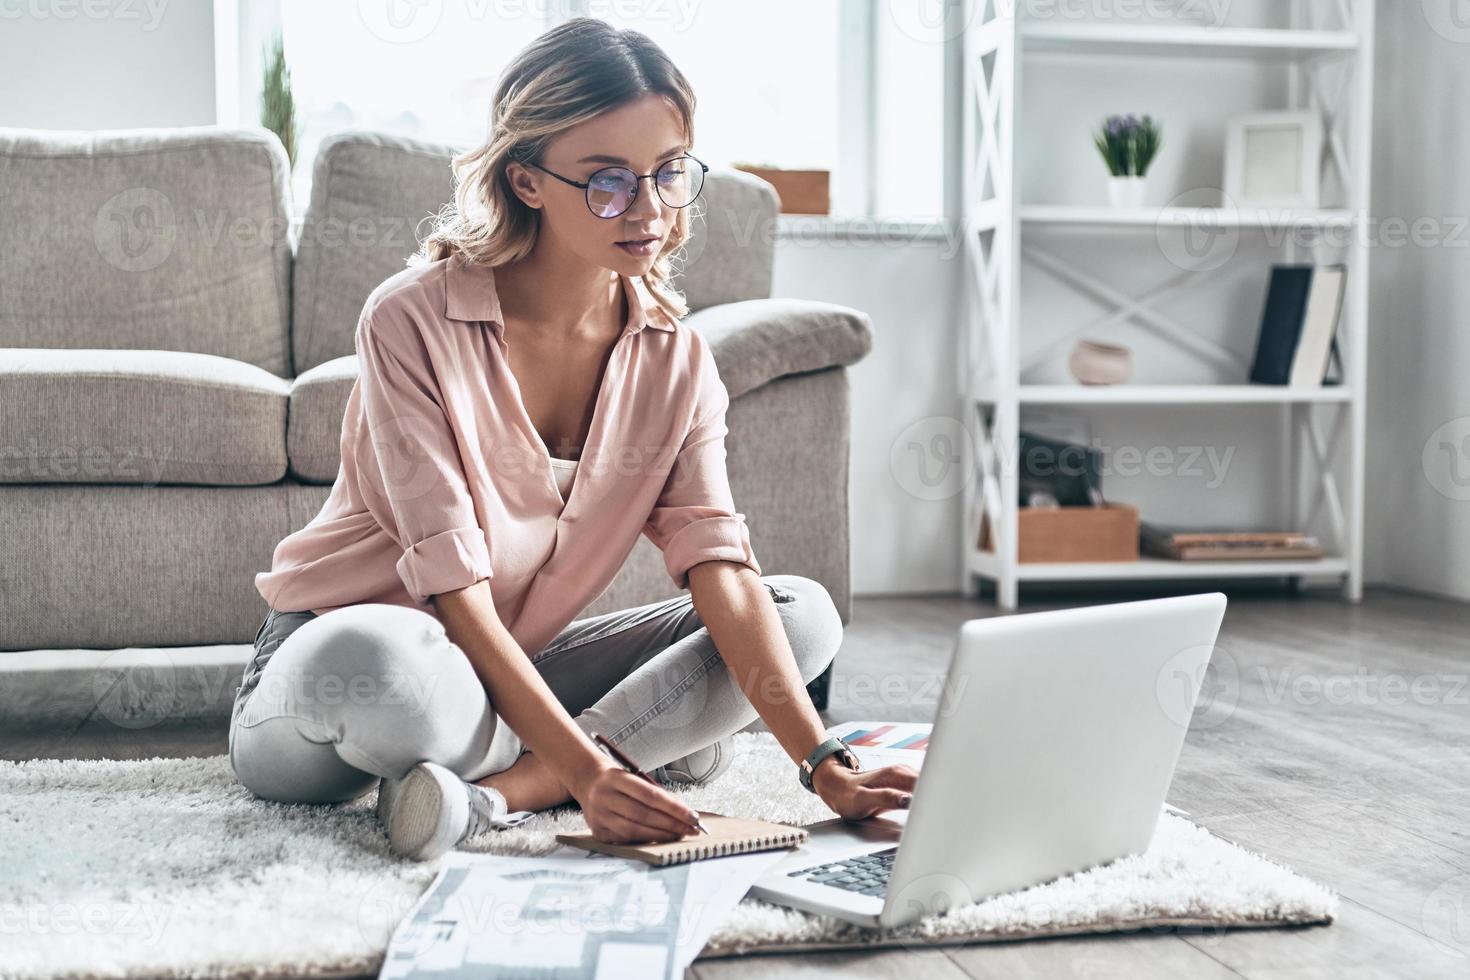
point(1128, 145)
point(277, 104)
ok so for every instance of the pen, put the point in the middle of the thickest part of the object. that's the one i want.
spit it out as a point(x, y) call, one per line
point(627, 764)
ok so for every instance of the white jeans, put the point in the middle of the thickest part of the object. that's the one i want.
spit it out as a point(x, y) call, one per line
point(329, 704)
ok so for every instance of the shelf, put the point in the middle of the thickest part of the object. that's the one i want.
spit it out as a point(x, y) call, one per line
point(1052, 258)
point(1183, 42)
point(984, 563)
point(1144, 394)
point(1185, 218)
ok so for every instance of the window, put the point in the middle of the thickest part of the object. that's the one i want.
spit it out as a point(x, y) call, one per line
point(421, 70)
point(850, 86)
point(764, 74)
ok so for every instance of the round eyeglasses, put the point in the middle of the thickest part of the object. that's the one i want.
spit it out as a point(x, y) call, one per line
point(612, 190)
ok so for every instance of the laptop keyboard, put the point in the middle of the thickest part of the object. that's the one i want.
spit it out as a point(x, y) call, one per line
point(866, 874)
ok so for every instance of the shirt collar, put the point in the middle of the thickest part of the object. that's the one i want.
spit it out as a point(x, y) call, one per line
point(469, 295)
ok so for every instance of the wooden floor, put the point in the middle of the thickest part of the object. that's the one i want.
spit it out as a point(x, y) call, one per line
point(1339, 744)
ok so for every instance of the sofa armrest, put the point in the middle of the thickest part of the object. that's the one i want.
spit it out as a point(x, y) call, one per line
point(758, 340)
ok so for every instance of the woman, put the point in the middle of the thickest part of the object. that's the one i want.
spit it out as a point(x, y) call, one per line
point(527, 405)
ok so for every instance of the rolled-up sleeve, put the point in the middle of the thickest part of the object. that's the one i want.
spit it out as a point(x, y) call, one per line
point(418, 489)
point(695, 519)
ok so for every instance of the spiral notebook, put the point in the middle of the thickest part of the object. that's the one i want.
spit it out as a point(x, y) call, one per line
point(727, 835)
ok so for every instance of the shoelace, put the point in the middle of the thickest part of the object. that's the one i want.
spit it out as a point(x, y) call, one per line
point(488, 809)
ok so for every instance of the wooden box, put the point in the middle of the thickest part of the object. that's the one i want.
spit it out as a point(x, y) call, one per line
point(1066, 534)
point(800, 191)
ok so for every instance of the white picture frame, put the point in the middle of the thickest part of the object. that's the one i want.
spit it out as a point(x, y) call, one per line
point(1274, 159)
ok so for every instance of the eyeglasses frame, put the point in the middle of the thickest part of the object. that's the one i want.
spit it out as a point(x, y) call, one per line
point(637, 183)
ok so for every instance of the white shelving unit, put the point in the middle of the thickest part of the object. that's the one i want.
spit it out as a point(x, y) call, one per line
point(1325, 426)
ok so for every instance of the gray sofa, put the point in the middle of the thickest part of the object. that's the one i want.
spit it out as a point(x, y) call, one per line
point(175, 361)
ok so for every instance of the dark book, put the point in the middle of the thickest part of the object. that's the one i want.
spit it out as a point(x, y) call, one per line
point(1299, 325)
point(1281, 323)
point(1060, 474)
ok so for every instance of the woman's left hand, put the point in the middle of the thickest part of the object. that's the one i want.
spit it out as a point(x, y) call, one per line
point(856, 795)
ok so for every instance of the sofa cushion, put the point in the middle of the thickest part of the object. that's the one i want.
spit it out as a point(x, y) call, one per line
point(139, 417)
point(146, 239)
point(731, 251)
point(760, 340)
point(370, 197)
point(754, 342)
point(372, 200)
point(318, 404)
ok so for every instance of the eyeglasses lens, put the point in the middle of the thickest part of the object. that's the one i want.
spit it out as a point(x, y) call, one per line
point(611, 190)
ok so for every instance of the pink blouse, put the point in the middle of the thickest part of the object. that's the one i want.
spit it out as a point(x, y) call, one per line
point(445, 480)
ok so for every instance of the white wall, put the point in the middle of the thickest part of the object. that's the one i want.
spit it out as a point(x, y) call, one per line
point(901, 543)
point(107, 65)
point(1419, 378)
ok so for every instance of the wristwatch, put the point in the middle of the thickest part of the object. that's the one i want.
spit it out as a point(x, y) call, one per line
point(832, 746)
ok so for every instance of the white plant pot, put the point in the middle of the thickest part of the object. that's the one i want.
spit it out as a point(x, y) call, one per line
point(1127, 192)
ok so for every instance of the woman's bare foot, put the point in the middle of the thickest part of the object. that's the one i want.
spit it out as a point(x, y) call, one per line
point(527, 785)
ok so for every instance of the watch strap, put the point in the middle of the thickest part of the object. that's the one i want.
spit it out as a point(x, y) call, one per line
point(831, 746)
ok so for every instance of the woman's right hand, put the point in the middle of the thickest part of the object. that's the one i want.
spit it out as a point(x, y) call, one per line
point(621, 808)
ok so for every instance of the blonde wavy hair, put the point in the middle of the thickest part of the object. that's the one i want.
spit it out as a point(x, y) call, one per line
point(572, 73)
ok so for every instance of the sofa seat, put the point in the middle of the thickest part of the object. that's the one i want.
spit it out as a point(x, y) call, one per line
point(318, 403)
point(142, 417)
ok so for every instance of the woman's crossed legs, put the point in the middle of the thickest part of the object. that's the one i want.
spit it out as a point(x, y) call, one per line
point(331, 704)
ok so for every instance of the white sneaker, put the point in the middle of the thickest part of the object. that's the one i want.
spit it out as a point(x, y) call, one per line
point(699, 766)
point(431, 809)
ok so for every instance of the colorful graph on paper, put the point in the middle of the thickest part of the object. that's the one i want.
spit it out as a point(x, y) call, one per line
point(886, 736)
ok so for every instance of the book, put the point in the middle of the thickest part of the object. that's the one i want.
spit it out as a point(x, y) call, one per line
point(1319, 327)
point(1224, 545)
point(727, 835)
point(1058, 474)
point(1299, 325)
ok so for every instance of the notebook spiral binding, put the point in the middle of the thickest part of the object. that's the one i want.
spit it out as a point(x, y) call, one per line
point(723, 848)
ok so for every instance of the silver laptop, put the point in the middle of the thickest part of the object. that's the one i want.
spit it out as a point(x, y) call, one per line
point(1054, 743)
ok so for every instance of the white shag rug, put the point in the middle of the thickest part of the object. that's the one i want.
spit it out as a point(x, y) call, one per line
point(171, 868)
